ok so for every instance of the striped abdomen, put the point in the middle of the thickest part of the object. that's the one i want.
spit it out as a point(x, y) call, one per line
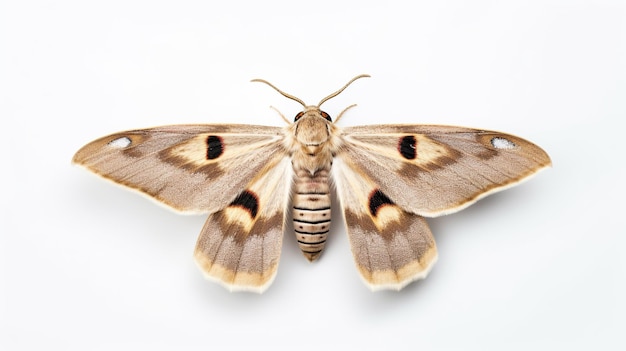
point(311, 212)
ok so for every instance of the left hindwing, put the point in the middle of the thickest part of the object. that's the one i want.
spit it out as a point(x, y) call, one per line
point(436, 170)
point(239, 246)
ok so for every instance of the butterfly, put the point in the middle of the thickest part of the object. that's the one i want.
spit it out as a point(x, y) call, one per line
point(247, 178)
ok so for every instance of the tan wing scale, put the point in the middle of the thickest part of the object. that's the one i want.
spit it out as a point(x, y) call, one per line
point(190, 168)
point(435, 170)
point(391, 247)
point(239, 246)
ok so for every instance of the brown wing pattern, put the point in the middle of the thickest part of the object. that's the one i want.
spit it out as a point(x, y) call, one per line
point(391, 247)
point(435, 170)
point(240, 245)
point(191, 168)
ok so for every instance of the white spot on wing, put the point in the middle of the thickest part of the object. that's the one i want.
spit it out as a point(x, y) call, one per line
point(120, 143)
point(502, 143)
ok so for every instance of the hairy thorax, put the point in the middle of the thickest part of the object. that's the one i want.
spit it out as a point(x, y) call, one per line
point(312, 145)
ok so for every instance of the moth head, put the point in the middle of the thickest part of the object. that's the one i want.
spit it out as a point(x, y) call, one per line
point(311, 127)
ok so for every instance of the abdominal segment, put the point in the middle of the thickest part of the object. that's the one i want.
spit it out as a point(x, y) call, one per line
point(311, 212)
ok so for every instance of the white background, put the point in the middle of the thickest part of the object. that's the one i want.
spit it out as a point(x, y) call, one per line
point(85, 265)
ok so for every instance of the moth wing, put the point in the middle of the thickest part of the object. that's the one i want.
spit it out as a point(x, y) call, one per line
point(391, 247)
point(190, 168)
point(239, 245)
point(433, 170)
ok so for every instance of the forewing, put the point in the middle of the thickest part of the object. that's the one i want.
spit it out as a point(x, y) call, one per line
point(191, 168)
point(435, 170)
point(239, 245)
point(391, 247)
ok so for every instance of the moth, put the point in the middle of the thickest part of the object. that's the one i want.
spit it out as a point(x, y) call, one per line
point(247, 177)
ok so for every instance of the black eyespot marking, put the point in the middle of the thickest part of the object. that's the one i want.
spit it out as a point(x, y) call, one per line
point(408, 147)
point(300, 114)
point(215, 147)
point(248, 201)
point(326, 115)
point(378, 200)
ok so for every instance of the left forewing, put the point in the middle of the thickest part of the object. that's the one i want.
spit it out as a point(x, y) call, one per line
point(190, 168)
point(435, 170)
